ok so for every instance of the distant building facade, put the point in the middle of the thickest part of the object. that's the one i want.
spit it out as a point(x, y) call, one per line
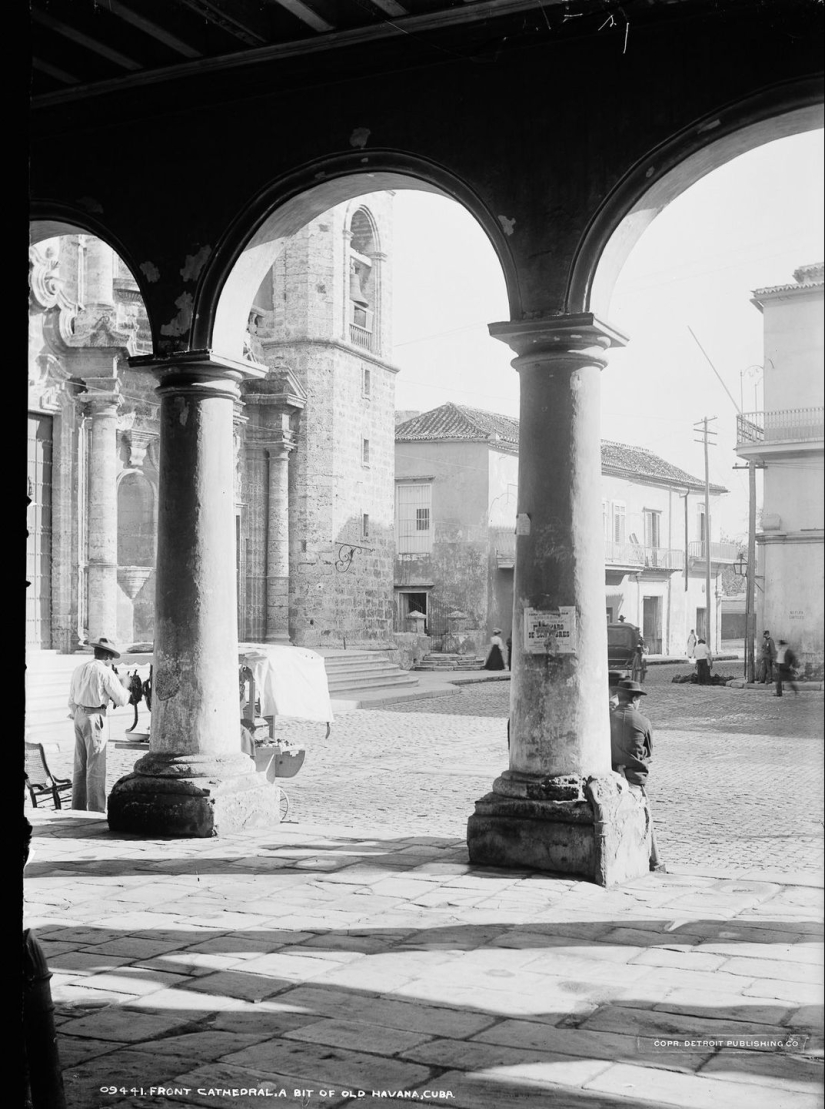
point(314, 493)
point(456, 496)
point(786, 440)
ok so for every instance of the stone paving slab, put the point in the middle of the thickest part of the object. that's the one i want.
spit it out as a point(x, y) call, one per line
point(504, 989)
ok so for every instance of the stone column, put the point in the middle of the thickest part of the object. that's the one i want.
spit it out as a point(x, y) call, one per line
point(559, 807)
point(102, 510)
point(195, 781)
point(98, 277)
point(277, 533)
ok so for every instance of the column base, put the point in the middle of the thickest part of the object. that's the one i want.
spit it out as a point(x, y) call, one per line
point(194, 797)
point(598, 828)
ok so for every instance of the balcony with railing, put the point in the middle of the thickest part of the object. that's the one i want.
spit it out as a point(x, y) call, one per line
point(638, 557)
point(719, 552)
point(361, 337)
point(633, 556)
point(789, 425)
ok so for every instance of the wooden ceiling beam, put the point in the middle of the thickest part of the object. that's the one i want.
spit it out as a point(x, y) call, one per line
point(391, 8)
point(52, 71)
point(305, 14)
point(85, 41)
point(152, 29)
point(238, 18)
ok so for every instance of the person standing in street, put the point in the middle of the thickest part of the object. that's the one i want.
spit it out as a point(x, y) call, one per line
point(691, 643)
point(495, 656)
point(93, 686)
point(785, 666)
point(767, 654)
point(631, 749)
point(704, 661)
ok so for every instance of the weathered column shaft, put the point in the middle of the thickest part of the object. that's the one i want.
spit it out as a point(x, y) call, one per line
point(98, 277)
point(557, 725)
point(195, 781)
point(102, 517)
point(277, 544)
point(559, 807)
point(195, 689)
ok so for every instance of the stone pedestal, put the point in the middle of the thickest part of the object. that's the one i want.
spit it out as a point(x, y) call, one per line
point(559, 807)
point(195, 781)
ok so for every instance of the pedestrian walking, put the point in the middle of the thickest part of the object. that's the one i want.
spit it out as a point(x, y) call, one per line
point(704, 661)
point(495, 656)
point(785, 667)
point(691, 643)
point(510, 651)
point(93, 686)
point(631, 750)
point(767, 655)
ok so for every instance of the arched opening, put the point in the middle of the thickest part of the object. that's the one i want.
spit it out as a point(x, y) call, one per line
point(681, 274)
point(317, 510)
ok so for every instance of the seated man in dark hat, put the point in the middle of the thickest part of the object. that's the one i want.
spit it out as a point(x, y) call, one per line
point(93, 686)
point(631, 747)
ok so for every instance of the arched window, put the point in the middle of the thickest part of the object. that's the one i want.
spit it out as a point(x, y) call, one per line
point(362, 280)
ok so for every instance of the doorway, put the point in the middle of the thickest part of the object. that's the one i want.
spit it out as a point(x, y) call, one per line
point(652, 624)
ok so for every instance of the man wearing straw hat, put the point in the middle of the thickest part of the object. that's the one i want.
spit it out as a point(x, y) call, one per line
point(92, 687)
point(631, 749)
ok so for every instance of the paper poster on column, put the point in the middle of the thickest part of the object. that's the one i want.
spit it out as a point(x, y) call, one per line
point(550, 632)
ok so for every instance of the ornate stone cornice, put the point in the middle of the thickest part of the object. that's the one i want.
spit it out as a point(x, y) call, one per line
point(281, 389)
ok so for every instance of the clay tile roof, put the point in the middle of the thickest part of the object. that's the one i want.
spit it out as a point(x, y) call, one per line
point(457, 421)
point(646, 464)
point(805, 277)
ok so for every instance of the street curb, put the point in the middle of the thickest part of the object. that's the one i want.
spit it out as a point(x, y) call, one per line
point(740, 683)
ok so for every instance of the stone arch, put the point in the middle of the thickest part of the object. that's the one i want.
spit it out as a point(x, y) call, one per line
point(251, 245)
point(48, 221)
point(669, 170)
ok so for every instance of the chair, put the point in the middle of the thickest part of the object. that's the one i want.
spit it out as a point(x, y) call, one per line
point(40, 781)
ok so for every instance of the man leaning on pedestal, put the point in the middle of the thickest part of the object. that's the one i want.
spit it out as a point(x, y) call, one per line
point(92, 687)
point(631, 749)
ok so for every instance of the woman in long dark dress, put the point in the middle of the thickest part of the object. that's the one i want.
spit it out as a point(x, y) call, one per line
point(495, 656)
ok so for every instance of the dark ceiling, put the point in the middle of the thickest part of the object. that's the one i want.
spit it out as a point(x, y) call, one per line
point(89, 48)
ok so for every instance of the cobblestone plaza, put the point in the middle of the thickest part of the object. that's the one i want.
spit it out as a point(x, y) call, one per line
point(736, 779)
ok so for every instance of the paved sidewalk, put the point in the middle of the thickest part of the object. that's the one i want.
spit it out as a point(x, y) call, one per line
point(322, 962)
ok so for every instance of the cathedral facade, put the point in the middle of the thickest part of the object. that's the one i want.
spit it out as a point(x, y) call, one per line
point(313, 440)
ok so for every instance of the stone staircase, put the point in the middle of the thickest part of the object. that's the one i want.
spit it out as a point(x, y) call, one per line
point(353, 672)
point(439, 660)
point(48, 673)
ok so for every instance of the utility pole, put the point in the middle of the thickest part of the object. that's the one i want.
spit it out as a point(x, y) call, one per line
point(705, 432)
point(750, 594)
point(750, 576)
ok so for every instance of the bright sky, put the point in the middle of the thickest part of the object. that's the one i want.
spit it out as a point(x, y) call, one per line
point(745, 226)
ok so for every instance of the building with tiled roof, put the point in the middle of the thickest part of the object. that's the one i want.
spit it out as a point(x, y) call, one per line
point(456, 497)
point(460, 423)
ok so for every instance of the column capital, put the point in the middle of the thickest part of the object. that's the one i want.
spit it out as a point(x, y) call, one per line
point(199, 372)
point(102, 397)
point(582, 337)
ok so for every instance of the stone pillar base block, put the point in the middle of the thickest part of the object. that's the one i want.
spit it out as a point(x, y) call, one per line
point(192, 807)
point(604, 838)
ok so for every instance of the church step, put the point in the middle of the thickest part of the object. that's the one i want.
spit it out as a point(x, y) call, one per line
point(402, 678)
